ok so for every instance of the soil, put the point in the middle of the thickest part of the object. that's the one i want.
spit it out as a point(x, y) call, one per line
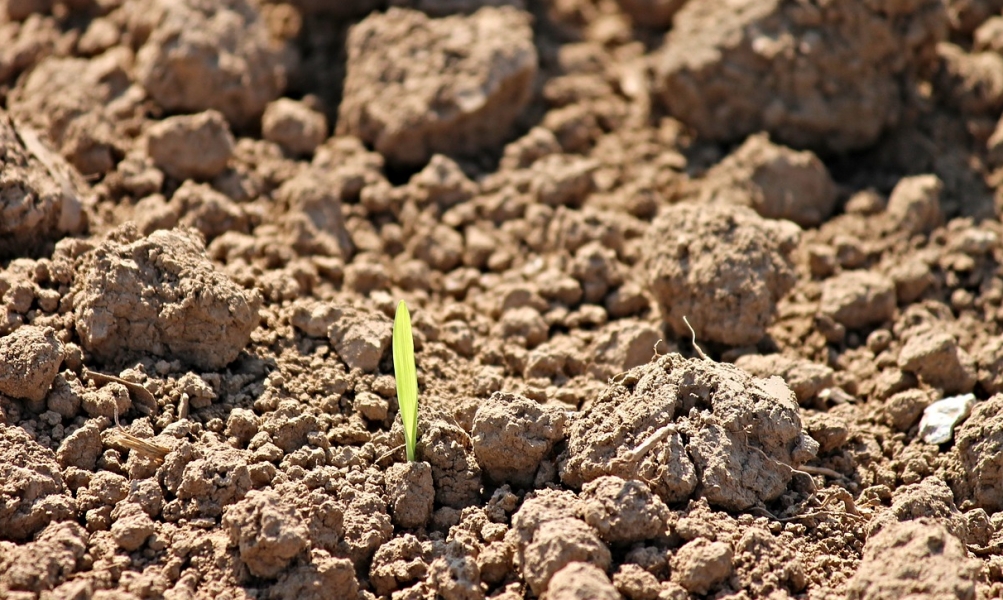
point(684, 278)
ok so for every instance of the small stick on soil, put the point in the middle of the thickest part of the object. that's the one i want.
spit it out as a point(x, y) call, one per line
point(390, 453)
point(184, 406)
point(993, 548)
point(817, 513)
point(644, 447)
point(696, 346)
point(822, 471)
point(841, 495)
point(140, 393)
point(148, 449)
point(33, 144)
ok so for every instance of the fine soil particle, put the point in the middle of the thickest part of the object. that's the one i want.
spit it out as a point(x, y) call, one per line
point(209, 212)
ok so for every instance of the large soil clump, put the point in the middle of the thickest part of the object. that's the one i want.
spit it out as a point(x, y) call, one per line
point(692, 428)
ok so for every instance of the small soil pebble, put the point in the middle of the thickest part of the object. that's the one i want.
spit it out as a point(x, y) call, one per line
point(581, 581)
point(371, 406)
point(828, 429)
point(191, 146)
point(903, 409)
point(19, 10)
point(455, 472)
point(623, 511)
point(293, 125)
point(416, 86)
point(938, 361)
point(972, 81)
point(914, 204)
point(776, 181)
point(268, 532)
point(315, 215)
point(47, 561)
point(702, 564)
point(729, 69)
point(622, 345)
point(635, 583)
point(722, 267)
point(315, 577)
point(912, 278)
point(914, 559)
point(511, 434)
point(737, 453)
point(360, 337)
point(205, 481)
point(200, 56)
point(132, 526)
point(558, 543)
point(212, 213)
point(397, 564)
point(29, 360)
point(32, 493)
point(990, 361)
point(930, 498)
point(411, 493)
point(107, 401)
point(805, 378)
point(858, 298)
point(83, 447)
point(161, 295)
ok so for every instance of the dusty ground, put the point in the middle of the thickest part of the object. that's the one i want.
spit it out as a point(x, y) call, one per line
point(209, 209)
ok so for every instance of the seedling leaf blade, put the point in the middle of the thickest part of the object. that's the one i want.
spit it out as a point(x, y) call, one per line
point(406, 376)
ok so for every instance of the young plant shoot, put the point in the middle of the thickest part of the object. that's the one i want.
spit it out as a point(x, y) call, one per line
point(407, 378)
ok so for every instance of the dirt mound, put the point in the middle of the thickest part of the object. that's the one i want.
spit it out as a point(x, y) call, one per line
point(730, 69)
point(914, 558)
point(691, 427)
point(474, 79)
point(33, 491)
point(147, 286)
point(200, 56)
point(722, 267)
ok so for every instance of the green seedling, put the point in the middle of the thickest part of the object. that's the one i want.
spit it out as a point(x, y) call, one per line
point(407, 378)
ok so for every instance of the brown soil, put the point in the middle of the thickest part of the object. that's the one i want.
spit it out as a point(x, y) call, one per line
point(210, 208)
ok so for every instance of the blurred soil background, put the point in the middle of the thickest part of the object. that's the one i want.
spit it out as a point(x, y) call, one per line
point(210, 208)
